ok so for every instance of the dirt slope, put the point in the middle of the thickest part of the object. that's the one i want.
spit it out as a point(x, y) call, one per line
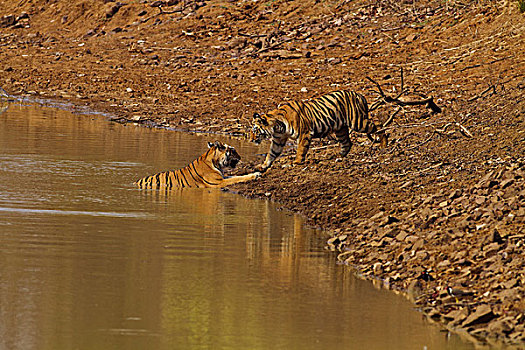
point(442, 206)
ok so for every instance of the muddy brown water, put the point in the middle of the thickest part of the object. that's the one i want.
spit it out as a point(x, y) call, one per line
point(89, 262)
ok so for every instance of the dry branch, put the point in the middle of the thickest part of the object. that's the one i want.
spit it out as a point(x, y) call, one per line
point(3, 93)
point(429, 101)
point(389, 120)
point(491, 87)
point(464, 130)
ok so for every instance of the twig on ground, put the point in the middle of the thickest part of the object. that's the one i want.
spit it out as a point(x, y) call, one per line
point(491, 87)
point(424, 142)
point(389, 120)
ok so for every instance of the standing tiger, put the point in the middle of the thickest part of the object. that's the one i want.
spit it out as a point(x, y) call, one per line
point(205, 171)
point(336, 112)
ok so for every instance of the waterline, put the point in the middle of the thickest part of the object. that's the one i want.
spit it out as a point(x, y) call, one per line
point(74, 212)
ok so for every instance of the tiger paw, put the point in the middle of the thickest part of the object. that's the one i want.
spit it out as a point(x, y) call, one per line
point(261, 169)
point(256, 175)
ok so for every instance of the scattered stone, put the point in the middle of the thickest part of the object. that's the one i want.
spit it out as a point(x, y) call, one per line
point(454, 194)
point(23, 15)
point(402, 236)
point(411, 239)
point(436, 222)
point(377, 268)
point(157, 3)
point(506, 183)
point(443, 264)
point(388, 220)
point(482, 314)
point(406, 184)
point(377, 216)
point(112, 9)
point(495, 237)
point(334, 61)
point(502, 326)
point(418, 244)
point(420, 255)
point(414, 290)
point(411, 37)
point(7, 21)
point(455, 317)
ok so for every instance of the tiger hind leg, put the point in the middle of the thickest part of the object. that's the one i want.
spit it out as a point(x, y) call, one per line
point(383, 139)
point(343, 138)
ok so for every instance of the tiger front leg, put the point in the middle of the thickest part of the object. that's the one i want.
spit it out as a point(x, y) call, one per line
point(381, 137)
point(230, 180)
point(276, 148)
point(302, 148)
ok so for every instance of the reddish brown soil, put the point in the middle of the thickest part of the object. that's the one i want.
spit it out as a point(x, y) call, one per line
point(436, 202)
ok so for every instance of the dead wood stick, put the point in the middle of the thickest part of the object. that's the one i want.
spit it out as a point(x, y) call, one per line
point(322, 147)
point(429, 101)
point(381, 102)
point(422, 143)
point(402, 85)
point(279, 43)
point(491, 87)
point(427, 169)
point(444, 128)
point(273, 46)
point(3, 93)
point(377, 85)
point(251, 36)
point(162, 12)
point(389, 120)
point(390, 29)
point(464, 130)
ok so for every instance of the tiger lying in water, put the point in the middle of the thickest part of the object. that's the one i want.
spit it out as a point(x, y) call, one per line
point(337, 112)
point(205, 171)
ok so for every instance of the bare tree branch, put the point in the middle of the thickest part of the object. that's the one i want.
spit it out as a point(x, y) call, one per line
point(429, 101)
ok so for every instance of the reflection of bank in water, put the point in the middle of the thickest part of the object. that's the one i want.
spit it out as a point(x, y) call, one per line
point(3, 107)
point(5, 98)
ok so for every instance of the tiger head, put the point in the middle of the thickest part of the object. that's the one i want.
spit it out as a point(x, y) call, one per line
point(260, 128)
point(266, 126)
point(224, 156)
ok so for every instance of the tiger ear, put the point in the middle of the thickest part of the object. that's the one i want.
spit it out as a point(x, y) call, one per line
point(257, 117)
point(210, 144)
point(219, 145)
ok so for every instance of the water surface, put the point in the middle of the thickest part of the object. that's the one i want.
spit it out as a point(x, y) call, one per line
point(88, 261)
